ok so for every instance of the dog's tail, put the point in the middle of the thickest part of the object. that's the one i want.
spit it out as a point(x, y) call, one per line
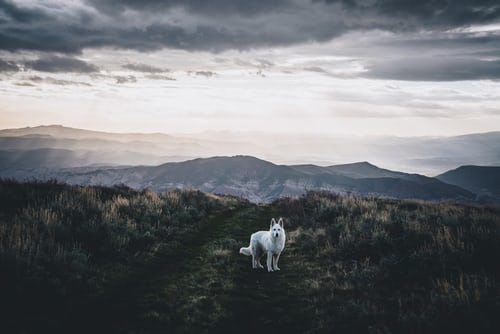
point(246, 251)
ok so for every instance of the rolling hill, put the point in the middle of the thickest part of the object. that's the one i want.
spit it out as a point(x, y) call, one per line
point(83, 259)
point(161, 161)
point(95, 148)
point(257, 180)
point(482, 180)
point(423, 155)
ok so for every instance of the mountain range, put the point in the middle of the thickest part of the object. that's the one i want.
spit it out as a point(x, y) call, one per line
point(96, 158)
point(256, 180)
point(429, 156)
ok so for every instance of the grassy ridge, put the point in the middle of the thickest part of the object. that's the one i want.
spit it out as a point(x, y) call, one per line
point(395, 266)
point(84, 259)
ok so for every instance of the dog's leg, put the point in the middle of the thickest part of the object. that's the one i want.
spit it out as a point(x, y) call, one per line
point(254, 262)
point(275, 262)
point(269, 261)
point(259, 265)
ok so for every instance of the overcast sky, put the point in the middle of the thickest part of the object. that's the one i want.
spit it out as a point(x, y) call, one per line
point(396, 67)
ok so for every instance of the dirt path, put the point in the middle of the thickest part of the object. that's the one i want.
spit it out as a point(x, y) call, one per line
point(207, 286)
point(265, 302)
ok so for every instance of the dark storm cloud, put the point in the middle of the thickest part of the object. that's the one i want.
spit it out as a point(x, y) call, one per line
point(137, 67)
point(205, 7)
point(160, 77)
point(411, 14)
point(221, 24)
point(20, 14)
point(403, 13)
point(206, 74)
point(8, 66)
point(316, 69)
point(56, 64)
point(218, 25)
point(34, 80)
point(101, 24)
point(43, 28)
point(435, 69)
point(121, 79)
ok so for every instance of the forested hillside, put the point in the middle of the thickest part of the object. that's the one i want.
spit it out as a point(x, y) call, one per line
point(86, 259)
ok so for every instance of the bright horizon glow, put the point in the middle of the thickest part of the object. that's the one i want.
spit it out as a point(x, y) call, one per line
point(232, 92)
point(293, 67)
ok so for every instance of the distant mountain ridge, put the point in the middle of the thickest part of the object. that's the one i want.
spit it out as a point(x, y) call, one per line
point(423, 155)
point(59, 131)
point(87, 148)
point(258, 180)
point(482, 180)
point(161, 161)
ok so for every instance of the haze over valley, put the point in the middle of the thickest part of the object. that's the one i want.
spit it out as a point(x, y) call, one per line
point(164, 162)
point(59, 146)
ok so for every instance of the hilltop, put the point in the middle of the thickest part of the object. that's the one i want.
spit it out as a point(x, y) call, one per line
point(482, 180)
point(86, 259)
point(254, 179)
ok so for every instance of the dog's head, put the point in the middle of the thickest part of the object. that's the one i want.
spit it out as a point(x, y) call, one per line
point(276, 228)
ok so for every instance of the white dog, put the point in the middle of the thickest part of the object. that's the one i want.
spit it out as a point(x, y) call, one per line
point(269, 242)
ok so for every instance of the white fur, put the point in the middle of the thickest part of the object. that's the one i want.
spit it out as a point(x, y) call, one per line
point(269, 242)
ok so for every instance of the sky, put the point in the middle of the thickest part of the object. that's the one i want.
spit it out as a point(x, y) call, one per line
point(336, 67)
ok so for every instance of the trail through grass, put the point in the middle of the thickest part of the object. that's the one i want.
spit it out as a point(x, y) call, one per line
point(102, 260)
point(202, 284)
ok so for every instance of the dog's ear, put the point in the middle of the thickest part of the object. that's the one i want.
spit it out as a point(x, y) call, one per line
point(273, 222)
point(280, 221)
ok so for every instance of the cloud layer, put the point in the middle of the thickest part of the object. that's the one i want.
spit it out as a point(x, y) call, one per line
point(221, 24)
point(433, 40)
point(56, 64)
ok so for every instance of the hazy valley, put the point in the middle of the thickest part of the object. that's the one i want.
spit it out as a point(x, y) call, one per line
point(96, 158)
point(423, 155)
